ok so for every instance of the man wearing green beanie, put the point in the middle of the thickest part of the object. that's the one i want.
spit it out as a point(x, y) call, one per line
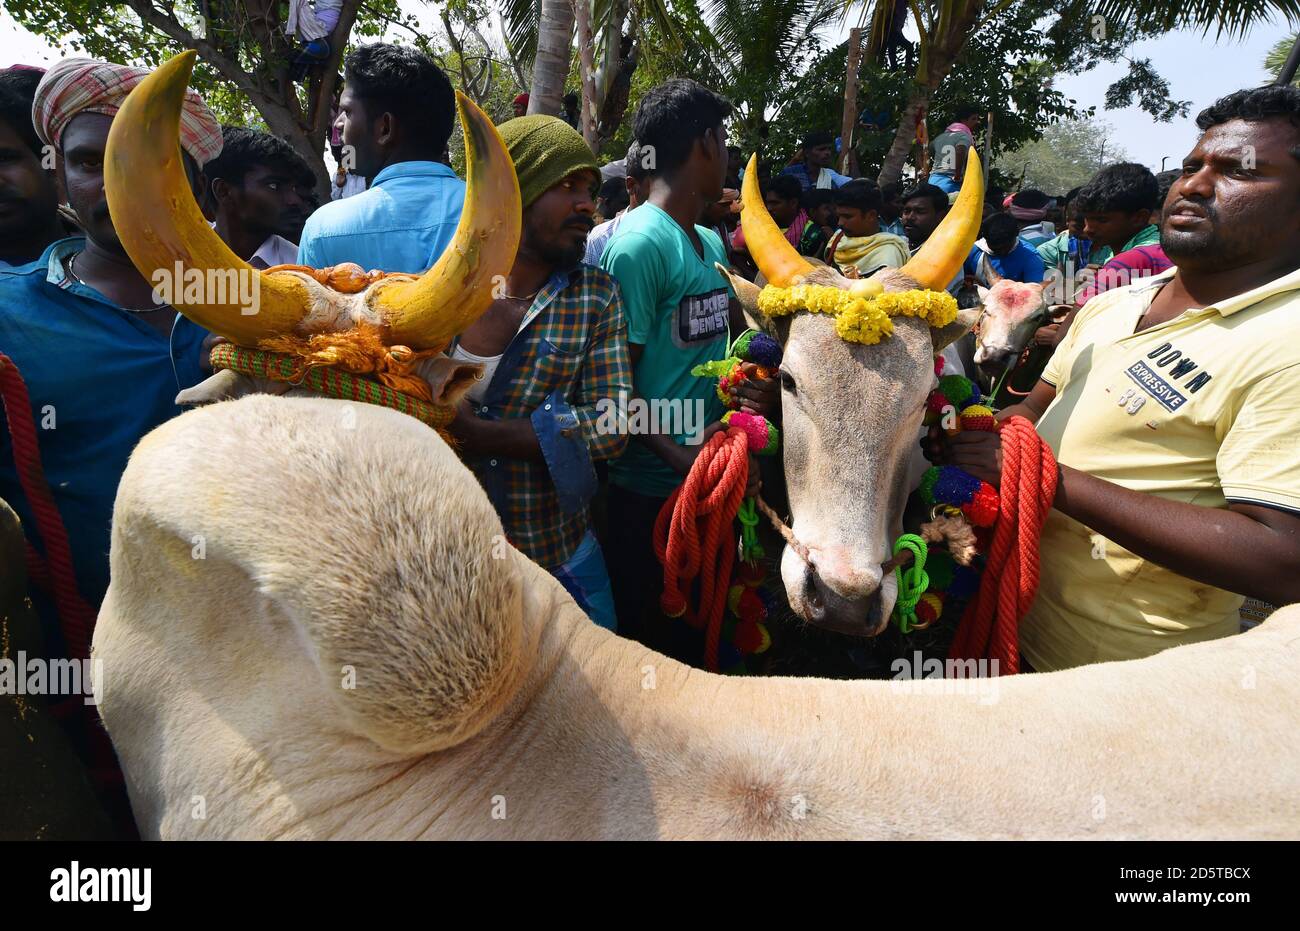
point(553, 347)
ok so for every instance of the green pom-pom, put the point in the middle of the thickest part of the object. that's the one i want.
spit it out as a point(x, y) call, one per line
point(939, 567)
point(927, 485)
point(957, 389)
point(715, 369)
point(740, 348)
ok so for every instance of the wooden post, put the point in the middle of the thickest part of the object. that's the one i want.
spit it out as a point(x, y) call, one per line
point(848, 163)
point(988, 148)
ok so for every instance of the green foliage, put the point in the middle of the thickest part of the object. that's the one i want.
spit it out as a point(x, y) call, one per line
point(1067, 155)
point(1277, 56)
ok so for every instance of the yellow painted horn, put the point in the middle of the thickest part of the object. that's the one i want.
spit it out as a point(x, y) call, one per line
point(780, 262)
point(426, 312)
point(160, 225)
point(936, 262)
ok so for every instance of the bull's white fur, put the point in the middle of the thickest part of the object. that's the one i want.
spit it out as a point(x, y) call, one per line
point(334, 541)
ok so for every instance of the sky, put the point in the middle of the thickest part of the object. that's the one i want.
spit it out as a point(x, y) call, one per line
point(1198, 69)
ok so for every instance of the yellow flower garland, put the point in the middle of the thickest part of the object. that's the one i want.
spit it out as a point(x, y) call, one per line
point(859, 319)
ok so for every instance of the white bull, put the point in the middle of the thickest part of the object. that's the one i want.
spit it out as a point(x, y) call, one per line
point(316, 630)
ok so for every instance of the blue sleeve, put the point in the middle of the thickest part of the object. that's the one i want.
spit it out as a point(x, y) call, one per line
point(308, 248)
point(971, 265)
point(1033, 268)
point(564, 449)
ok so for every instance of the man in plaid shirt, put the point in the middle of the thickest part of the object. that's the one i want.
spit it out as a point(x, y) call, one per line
point(553, 345)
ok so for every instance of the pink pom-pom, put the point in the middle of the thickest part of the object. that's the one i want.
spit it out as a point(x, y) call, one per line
point(755, 428)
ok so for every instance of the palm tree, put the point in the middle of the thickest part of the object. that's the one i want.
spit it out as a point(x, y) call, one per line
point(945, 26)
point(1278, 54)
point(756, 44)
point(539, 36)
point(551, 61)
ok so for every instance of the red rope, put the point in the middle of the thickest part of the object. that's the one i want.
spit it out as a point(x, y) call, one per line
point(989, 627)
point(689, 535)
point(55, 573)
point(55, 570)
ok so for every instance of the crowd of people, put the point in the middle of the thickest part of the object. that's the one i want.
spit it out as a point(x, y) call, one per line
point(1183, 293)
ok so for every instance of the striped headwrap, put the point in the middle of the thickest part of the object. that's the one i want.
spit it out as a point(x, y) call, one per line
point(84, 85)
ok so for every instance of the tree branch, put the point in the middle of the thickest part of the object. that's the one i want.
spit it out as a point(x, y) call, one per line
point(173, 29)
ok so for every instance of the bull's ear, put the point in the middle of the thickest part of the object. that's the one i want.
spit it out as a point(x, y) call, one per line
point(963, 324)
point(449, 378)
point(227, 385)
point(747, 295)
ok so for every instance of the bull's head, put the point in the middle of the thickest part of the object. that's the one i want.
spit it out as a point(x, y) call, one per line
point(1011, 312)
point(852, 412)
point(164, 232)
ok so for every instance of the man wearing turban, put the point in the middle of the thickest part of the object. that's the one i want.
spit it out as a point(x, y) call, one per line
point(102, 359)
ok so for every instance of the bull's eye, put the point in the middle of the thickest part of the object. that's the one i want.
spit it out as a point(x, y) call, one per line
point(787, 382)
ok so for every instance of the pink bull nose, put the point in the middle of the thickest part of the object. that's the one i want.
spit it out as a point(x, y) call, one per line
point(847, 570)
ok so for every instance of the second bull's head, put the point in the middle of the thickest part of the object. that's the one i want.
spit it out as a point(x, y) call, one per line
point(165, 234)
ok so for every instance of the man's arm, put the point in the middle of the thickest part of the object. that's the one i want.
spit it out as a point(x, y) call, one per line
point(1032, 407)
point(1249, 549)
point(606, 375)
point(679, 458)
point(959, 166)
point(511, 439)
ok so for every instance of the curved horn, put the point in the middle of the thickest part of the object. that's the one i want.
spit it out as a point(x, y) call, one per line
point(426, 312)
point(991, 273)
point(937, 261)
point(780, 262)
point(164, 232)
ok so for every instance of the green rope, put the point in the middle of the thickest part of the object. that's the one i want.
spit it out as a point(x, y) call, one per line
point(912, 581)
point(750, 548)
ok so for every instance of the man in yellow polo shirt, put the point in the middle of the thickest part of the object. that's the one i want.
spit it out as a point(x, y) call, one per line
point(1173, 407)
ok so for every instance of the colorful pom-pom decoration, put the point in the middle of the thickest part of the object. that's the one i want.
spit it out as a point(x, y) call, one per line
point(959, 390)
point(954, 487)
point(982, 509)
point(977, 417)
point(750, 607)
point(939, 566)
point(753, 346)
point(928, 609)
point(926, 488)
point(764, 438)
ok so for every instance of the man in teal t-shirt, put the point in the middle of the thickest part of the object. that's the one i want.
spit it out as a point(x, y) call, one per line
point(679, 312)
point(678, 307)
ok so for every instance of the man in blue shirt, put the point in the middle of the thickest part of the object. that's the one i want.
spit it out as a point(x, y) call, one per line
point(29, 198)
point(396, 114)
point(1002, 249)
point(814, 169)
point(102, 359)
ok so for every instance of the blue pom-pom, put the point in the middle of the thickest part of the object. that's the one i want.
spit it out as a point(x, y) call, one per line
point(965, 582)
point(764, 350)
point(768, 599)
point(955, 486)
point(974, 395)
